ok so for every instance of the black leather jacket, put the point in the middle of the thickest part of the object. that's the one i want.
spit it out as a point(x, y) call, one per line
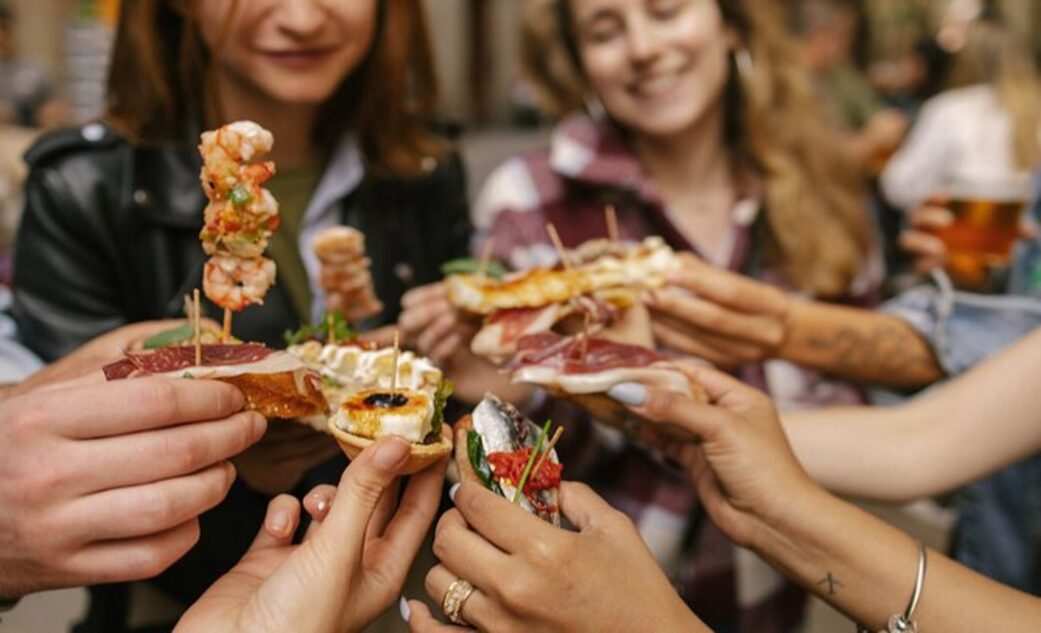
point(110, 236)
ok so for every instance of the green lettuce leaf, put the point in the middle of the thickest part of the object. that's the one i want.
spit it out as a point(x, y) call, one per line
point(470, 266)
point(441, 396)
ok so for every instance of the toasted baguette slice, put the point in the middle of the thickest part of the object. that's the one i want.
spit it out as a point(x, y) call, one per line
point(421, 456)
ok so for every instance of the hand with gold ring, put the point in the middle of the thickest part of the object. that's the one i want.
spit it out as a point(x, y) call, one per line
point(531, 575)
point(455, 598)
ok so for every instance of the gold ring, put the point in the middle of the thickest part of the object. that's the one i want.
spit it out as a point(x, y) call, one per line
point(456, 596)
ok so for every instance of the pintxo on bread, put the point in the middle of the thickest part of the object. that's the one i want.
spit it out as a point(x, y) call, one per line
point(597, 292)
point(276, 384)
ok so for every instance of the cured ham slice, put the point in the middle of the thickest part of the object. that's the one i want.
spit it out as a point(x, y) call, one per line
point(582, 368)
point(276, 384)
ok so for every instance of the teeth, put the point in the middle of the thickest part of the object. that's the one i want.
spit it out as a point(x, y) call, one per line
point(658, 85)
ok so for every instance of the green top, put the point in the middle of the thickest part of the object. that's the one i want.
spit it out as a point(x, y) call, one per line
point(293, 188)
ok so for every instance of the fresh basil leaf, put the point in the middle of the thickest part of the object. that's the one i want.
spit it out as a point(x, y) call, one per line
point(441, 396)
point(471, 266)
point(179, 334)
point(478, 461)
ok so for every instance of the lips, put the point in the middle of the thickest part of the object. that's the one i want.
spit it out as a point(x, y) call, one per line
point(299, 58)
point(656, 86)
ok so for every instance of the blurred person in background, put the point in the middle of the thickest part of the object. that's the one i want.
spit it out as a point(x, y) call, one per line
point(828, 33)
point(695, 120)
point(988, 121)
point(28, 96)
point(110, 233)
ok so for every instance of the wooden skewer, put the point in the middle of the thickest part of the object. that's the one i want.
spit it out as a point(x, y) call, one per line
point(226, 332)
point(546, 451)
point(612, 223)
point(561, 252)
point(197, 325)
point(397, 355)
point(331, 338)
point(486, 257)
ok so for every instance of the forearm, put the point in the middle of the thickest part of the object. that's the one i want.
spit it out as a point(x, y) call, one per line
point(973, 425)
point(866, 569)
point(879, 453)
point(858, 345)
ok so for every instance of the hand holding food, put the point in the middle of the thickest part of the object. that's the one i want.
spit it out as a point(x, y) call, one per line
point(717, 315)
point(349, 568)
point(742, 457)
point(431, 325)
point(80, 521)
point(529, 575)
point(584, 368)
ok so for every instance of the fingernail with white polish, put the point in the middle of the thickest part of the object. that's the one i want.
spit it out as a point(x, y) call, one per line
point(632, 394)
point(452, 491)
point(404, 609)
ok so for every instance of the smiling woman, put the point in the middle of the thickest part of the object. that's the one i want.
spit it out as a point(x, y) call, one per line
point(113, 209)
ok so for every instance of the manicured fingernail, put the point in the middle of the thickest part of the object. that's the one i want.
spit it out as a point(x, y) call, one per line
point(278, 524)
point(404, 609)
point(390, 453)
point(632, 394)
point(452, 491)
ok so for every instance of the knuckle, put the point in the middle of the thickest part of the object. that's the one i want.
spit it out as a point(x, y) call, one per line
point(160, 397)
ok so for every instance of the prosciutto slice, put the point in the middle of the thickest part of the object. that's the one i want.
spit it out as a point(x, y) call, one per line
point(177, 357)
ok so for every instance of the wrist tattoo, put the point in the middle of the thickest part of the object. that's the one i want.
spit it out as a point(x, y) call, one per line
point(831, 583)
point(883, 350)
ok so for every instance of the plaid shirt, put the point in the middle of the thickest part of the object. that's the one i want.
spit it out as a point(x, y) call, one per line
point(587, 167)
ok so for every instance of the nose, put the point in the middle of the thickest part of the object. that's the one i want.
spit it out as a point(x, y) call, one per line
point(301, 18)
point(643, 43)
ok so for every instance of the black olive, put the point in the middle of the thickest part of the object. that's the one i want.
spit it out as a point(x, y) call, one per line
point(387, 400)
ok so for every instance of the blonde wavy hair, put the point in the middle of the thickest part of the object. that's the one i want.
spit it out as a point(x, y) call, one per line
point(993, 54)
point(817, 227)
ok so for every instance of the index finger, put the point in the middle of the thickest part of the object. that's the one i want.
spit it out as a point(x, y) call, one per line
point(504, 524)
point(128, 406)
point(727, 288)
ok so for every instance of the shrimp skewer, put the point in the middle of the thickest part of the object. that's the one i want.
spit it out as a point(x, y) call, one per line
point(240, 216)
point(345, 276)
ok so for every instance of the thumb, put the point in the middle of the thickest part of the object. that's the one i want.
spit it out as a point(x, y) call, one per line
point(362, 485)
point(583, 507)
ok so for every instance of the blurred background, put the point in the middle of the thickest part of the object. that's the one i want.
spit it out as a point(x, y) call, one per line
point(870, 57)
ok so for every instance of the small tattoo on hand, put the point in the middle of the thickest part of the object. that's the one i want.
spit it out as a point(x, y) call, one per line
point(832, 583)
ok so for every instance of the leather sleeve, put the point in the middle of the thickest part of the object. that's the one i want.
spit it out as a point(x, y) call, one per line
point(64, 290)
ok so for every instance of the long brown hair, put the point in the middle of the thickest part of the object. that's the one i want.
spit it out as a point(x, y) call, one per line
point(817, 228)
point(159, 85)
point(994, 54)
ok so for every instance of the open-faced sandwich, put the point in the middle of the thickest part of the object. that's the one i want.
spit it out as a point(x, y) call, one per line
point(504, 451)
point(276, 384)
point(598, 291)
point(582, 368)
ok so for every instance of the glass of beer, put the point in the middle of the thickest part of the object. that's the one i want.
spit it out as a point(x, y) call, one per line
point(987, 210)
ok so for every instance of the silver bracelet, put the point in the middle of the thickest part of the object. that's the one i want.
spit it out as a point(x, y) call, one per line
point(903, 622)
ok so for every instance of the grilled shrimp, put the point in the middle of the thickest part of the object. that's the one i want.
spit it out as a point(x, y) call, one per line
point(344, 274)
point(235, 283)
point(227, 153)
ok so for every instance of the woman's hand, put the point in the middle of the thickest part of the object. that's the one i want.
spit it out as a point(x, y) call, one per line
point(530, 575)
point(351, 565)
point(742, 465)
point(918, 240)
point(718, 315)
point(431, 326)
